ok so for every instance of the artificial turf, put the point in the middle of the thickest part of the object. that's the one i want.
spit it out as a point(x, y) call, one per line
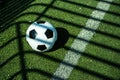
point(101, 60)
point(19, 62)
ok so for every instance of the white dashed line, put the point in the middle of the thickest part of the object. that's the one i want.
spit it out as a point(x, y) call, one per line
point(63, 71)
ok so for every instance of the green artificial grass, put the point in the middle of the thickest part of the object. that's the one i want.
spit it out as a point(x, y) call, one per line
point(101, 60)
point(19, 62)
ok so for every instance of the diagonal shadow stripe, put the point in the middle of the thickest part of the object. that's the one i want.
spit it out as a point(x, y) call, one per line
point(87, 71)
point(38, 71)
point(9, 13)
point(112, 3)
point(93, 8)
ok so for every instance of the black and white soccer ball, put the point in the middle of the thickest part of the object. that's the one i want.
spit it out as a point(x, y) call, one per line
point(41, 36)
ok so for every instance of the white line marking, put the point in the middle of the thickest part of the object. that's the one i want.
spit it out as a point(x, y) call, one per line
point(63, 71)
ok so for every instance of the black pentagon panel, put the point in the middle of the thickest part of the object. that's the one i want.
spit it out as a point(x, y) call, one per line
point(41, 47)
point(41, 22)
point(49, 33)
point(32, 34)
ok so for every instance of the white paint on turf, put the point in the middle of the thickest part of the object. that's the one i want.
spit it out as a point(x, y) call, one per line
point(63, 71)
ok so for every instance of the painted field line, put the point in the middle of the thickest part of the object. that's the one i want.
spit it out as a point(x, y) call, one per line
point(63, 71)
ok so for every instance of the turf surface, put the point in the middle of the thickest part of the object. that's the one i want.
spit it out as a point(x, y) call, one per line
point(18, 61)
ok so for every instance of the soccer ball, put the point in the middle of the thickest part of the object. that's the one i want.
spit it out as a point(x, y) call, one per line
point(41, 36)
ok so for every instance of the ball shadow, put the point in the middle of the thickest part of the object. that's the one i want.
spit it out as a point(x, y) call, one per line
point(63, 36)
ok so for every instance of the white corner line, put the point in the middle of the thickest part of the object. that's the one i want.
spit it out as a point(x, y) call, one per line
point(64, 71)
